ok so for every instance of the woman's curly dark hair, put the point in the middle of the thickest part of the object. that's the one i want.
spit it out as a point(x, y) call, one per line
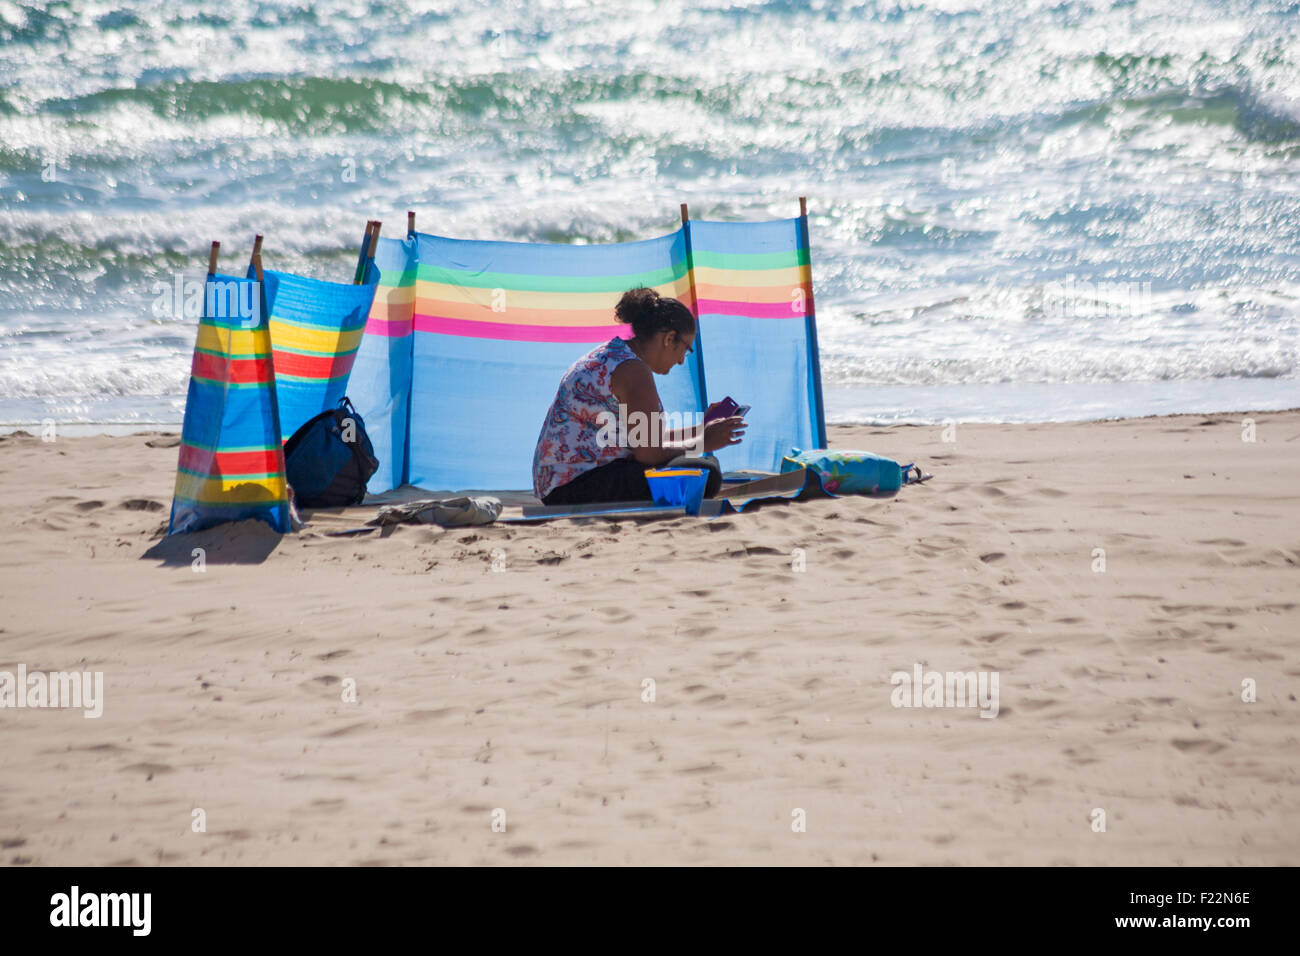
point(650, 313)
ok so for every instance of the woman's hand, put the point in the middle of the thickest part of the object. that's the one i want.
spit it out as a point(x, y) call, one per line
point(723, 432)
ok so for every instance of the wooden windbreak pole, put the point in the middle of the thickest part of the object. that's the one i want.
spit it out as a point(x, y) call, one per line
point(255, 259)
point(365, 253)
point(803, 216)
point(811, 321)
point(410, 223)
point(690, 266)
point(371, 247)
point(695, 307)
point(212, 258)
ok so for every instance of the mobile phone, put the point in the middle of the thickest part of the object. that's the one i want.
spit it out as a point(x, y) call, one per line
point(743, 410)
point(726, 408)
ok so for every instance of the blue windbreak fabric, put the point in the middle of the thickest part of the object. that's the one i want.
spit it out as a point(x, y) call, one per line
point(495, 325)
point(380, 384)
point(753, 285)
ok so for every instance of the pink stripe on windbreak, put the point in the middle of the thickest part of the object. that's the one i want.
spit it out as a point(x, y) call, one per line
point(751, 310)
point(518, 332)
point(393, 329)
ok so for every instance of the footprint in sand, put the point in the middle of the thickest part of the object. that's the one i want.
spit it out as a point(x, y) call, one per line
point(419, 716)
point(1198, 746)
point(149, 768)
point(141, 504)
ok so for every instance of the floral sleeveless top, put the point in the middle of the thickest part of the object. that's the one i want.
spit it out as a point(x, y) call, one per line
point(567, 445)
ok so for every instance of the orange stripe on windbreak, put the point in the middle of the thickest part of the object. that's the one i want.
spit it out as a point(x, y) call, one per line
point(391, 311)
point(757, 294)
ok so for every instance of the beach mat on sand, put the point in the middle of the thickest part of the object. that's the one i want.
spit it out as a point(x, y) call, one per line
point(798, 485)
point(791, 486)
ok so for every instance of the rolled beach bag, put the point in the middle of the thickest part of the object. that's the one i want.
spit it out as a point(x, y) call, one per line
point(851, 472)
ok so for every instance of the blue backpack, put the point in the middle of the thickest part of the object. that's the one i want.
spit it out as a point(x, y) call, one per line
point(330, 458)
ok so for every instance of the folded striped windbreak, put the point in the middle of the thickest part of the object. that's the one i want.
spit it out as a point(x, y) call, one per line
point(231, 463)
point(316, 329)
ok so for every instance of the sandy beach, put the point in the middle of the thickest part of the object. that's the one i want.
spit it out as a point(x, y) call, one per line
point(1122, 579)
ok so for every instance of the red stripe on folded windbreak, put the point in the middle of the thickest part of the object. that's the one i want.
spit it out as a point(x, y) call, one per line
point(222, 369)
point(262, 461)
point(313, 366)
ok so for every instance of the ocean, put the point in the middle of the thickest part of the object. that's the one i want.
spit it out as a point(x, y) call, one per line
point(1019, 210)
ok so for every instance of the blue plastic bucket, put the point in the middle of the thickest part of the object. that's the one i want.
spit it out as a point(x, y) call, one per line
point(678, 486)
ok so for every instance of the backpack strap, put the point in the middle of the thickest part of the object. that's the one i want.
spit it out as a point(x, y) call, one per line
point(341, 414)
point(914, 479)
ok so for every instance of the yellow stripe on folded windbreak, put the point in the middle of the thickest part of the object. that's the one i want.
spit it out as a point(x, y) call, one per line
point(242, 343)
point(687, 472)
point(231, 490)
point(296, 338)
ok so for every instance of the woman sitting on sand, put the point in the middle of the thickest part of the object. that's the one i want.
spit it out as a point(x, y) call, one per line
point(575, 462)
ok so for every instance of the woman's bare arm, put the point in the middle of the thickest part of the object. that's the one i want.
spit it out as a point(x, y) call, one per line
point(633, 385)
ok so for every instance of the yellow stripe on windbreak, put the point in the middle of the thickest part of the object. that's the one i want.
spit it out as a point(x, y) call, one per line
point(236, 491)
point(679, 473)
point(285, 335)
point(227, 341)
point(395, 294)
point(788, 277)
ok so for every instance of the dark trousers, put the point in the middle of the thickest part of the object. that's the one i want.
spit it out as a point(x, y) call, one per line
point(624, 480)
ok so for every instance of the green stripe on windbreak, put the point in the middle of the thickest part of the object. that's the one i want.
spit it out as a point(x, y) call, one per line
point(517, 282)
point(319, 326)
point(746, 260)
point(281, 377)
point(392, 279)
point(229, 478)
point(313, 353)
point(236, 355)
point(215, 381)
point(224, 450)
